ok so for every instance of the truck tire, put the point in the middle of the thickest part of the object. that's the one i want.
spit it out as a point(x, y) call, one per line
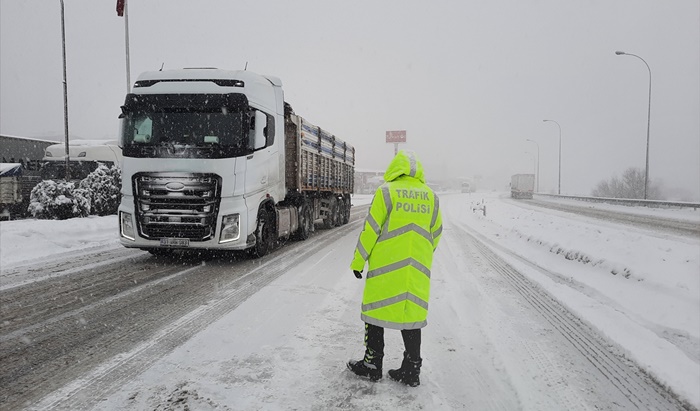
point(340, 214)
point(345, 217)
point(337, 213)
point(306, 223)
point(331, 219)
point(263, 235)
point(342, 208)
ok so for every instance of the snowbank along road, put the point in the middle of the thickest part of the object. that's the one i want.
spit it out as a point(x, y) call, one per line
point(679, 227)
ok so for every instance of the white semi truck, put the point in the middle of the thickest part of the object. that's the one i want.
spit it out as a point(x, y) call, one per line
point(215, 159)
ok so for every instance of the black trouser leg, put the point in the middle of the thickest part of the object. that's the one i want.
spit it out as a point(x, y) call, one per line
point(374, 339)
point(374, 343)
point(371, 364)
point(411, 341)
point(409, 373)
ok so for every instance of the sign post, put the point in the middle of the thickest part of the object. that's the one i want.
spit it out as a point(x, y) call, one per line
point(396, 137)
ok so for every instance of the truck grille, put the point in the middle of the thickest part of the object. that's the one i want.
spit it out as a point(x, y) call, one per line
point(177, 205)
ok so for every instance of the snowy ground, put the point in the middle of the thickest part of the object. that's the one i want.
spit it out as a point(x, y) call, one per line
point(639, 288)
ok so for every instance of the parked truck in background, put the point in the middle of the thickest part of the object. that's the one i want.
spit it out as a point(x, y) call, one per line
point(84, 156)
point(216, 160)
point(522, 185)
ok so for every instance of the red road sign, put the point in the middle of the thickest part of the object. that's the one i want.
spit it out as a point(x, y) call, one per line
point(397, 136)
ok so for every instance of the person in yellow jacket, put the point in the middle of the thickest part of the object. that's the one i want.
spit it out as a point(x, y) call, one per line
point(400, 234)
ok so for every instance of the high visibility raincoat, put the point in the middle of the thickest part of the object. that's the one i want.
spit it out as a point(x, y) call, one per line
point(401, 232)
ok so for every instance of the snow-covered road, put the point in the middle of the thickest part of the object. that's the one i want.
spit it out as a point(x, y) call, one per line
point(530, 309)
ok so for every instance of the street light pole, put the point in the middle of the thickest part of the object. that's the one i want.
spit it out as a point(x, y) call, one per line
point(65, 94)
point(126, 41)
point(553, 121)
point(646, 167)
point(537, 175)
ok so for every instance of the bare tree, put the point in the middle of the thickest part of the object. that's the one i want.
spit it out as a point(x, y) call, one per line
point(630, 185)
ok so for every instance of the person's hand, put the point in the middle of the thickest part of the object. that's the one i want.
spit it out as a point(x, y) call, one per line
point(358, 274)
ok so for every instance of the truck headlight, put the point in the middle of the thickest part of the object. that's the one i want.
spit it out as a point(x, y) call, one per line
point(230, 228)
point(126, 226)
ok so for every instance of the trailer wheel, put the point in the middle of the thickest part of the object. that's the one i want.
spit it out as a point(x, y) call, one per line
point(306, 223)
point(310, 215)
point(345, 216)
point(342, 207)
point(331, 219)
point(340, 210)
point(263, 235)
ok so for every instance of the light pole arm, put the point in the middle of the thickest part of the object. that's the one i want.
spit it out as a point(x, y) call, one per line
point(646, 168)
point(649, 69)
point(644, 61)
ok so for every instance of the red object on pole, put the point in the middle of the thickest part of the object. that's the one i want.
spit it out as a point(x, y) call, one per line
point(120, 8)
point(397, 136)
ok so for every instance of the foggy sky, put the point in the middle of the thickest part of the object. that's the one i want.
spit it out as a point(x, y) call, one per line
point(470, 81)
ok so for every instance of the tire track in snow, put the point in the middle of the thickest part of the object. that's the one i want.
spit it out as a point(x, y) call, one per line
point(123, 315)
point(464, 353)
point(641, 390)
point(61, 264)
point(87, 391)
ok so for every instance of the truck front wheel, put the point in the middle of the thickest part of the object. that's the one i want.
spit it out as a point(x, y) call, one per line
point(263, 235)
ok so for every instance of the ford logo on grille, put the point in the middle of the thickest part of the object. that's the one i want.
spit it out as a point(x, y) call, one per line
point(175, 186)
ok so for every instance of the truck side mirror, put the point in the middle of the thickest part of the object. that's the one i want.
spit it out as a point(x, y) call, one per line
point(260, 124)
point(120, 131)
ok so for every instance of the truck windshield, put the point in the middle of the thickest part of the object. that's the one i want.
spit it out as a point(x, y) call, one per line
point(189, 126)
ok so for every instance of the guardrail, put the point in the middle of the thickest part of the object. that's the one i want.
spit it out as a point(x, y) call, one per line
point(628, 201)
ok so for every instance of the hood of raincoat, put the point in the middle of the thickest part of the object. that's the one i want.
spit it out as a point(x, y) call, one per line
point(405, 163)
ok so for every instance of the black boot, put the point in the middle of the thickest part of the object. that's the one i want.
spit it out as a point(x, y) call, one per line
point(409, 373)
point(370, 366)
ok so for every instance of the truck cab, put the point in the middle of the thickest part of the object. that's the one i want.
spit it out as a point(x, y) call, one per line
point(202, 155)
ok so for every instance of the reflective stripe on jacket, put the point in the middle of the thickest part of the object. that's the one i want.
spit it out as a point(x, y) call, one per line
point(400, 234)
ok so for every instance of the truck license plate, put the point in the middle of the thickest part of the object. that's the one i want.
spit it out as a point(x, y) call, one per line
point(175, 242)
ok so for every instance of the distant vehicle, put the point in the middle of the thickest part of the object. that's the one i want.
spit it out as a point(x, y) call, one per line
point(466, 187)
point(217, 160)
point(84, 157)
point(522, 185)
